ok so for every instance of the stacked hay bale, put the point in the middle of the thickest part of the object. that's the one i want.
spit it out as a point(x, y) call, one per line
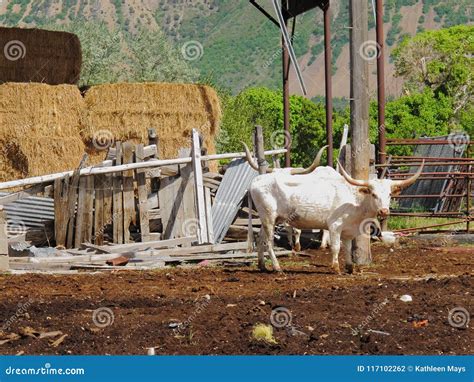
point(126, 111)
point(35, 55)
point(39, 129)
point(46, 129)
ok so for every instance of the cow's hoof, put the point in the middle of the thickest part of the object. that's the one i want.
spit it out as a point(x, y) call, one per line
point(350, 269)
point(297, 248)
point(277, 268)
point(335, 269)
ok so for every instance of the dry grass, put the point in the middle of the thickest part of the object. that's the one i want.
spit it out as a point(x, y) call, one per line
point(129, 110)
point(39, 129)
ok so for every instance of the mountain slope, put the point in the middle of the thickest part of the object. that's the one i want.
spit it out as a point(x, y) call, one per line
point(240, 46)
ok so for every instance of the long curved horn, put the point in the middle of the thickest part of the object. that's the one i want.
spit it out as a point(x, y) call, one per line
point(252, 163)
point(354, 182)
point(316, 161)
point(408, 182)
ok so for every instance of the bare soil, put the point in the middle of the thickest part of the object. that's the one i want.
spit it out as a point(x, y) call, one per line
point(212, 310)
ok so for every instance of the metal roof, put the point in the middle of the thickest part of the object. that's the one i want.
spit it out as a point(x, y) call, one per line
point(234, 186)
point(32, 212)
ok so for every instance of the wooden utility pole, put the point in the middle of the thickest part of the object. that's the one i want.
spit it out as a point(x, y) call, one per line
point(286, 89)
point(359, 103)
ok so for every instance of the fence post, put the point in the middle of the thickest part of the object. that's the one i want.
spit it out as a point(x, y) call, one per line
point(260, 150)
point(199, 188)
point(4, 266)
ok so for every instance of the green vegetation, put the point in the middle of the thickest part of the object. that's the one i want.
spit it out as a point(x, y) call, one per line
point(442, 61)
point(148, 56)
point(241, 47)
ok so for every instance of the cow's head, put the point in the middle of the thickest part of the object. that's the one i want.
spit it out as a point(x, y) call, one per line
point(380, 191)
point(292, 171)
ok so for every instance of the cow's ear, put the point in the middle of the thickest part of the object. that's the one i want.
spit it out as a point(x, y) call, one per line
point(396, 190)
point(365, 190)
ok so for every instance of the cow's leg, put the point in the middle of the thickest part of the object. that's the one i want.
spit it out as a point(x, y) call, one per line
point(325, 239)
point(269, 227)
point(348, 248)
point(297, 246)
point(289, 235)
point(261, 250)
point(335, 237)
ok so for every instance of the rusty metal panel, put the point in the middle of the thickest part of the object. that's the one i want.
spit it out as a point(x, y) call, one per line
point(233, 188)
point(431, 186)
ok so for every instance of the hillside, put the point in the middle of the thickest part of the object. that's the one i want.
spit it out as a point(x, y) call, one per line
point(240, 47)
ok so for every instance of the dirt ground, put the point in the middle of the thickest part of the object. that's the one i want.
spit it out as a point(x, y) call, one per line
point(212, 310)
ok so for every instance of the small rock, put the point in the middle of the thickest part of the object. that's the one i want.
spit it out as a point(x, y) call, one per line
point(406, 298)
point(324, 335)
point(231, 305)
point(310, 328)
point(207, 297)
point(261, 302)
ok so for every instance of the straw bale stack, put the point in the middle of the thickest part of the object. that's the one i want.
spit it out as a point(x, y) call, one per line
point(126, 111)
point(39, 129)
point(35, 55)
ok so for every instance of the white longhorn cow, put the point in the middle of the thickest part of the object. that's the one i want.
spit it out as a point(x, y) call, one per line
point(296, 245)
point(330, 201)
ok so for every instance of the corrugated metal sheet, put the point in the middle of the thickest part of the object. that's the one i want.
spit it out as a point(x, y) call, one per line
point(230, 194)
point(427, 186)
point(30, 212)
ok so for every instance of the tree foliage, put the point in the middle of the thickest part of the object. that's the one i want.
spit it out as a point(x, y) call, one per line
point(442, 60)
point(113, 56)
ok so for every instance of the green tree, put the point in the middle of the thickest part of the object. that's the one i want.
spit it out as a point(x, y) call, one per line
point(153, 58)
point(262, 106)
point(442, 60)
point(102, 56)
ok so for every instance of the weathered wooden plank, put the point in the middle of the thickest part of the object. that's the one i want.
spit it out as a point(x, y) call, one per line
point(199, 189)
point(84, 212)
point(99, 210)
point(176, 199)
point(72, 201)
point(107, 212)
point(117, 199)
point(148, 151)
point(196, 249)
point(210, 225)
point(151, 244)
point(142, 197)
point(61, 217)
point(129, 215)
point(4, 263)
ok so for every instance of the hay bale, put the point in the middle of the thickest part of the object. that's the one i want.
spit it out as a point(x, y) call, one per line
point(39, 129)
point(126, 112)
point(35, 55)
